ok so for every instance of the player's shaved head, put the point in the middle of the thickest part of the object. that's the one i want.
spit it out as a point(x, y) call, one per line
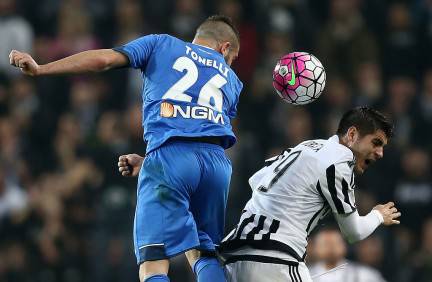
point(220, 29)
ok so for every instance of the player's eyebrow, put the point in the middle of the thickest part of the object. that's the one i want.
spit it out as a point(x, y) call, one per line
point(377, 142)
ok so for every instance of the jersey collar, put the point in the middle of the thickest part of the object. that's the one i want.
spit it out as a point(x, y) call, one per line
point(335, 139)
point(208, 49)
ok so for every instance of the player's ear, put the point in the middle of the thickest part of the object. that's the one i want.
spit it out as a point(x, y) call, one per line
point(225, 48)
point(352, 135)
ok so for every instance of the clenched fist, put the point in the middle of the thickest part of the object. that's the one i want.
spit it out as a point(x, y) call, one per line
point(25, 62)
point(389, 212)
point(130, 165)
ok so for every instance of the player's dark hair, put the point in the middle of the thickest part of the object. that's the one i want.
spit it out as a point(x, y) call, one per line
point(216, 27)
point(366, 120)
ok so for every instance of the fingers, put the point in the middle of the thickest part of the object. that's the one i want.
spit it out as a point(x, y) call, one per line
point(389, 205)
point(11, 57)
point(123, 166)
point(124, 170)
point(393, 210)
point(14, 57)
point(394, 216)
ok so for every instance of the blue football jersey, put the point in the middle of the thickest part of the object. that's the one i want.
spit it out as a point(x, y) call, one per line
point(188, 91)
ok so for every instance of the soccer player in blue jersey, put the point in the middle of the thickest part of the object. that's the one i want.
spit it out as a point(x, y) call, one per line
point(190, 94)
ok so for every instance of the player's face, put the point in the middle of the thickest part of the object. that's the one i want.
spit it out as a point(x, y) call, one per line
point(229, 52)
point(232, 55)
point(368, 149)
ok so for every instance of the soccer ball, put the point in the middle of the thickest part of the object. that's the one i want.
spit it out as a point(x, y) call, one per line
point(299, 78)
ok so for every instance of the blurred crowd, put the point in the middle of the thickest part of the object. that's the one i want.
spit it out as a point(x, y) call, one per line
point(65, 213)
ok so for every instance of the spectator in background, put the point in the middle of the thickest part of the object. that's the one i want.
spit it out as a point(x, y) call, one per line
point(130, 23)
point(187, 16)
point(85, 99)
point(74, 34)
point(344, 42)
point(401, 92)
point(423, 117)
point(12, 197)
point(296, 126)
point(400, 50)
point(247, 59)
point(371, 252)
point(368, 84)
point(23, 103)
point(330, 251)
point(337, 99)
point(15, 32)
point(422, 262)
point(413, 190)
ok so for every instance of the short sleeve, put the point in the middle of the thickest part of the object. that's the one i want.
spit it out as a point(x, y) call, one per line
point(237, 88)
point(139, 50)
point(336, 186)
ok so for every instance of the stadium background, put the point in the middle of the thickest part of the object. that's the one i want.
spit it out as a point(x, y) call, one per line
point(66, 214)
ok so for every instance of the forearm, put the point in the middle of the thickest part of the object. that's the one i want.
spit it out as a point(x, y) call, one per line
point(355, 227)
point(84, 62)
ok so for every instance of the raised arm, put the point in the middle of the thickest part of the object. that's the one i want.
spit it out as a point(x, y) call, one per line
point(83, 62)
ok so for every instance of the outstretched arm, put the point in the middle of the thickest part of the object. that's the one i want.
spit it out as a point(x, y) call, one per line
point(83, 62)
point(355, 227)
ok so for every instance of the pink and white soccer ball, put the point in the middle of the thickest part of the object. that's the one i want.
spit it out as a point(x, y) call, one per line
point(299, 78)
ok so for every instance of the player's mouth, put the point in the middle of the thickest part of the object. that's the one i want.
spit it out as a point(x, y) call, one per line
point(369, 162)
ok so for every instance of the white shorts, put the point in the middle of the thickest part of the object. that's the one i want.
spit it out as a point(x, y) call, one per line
point(253, 271)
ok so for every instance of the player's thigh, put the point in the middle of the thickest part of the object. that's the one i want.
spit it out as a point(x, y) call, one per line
point(208, 202)
point(164, 226)
point(251, 271)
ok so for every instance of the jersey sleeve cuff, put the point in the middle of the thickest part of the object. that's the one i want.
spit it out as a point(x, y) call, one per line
point(379, 216)
point(120, 49)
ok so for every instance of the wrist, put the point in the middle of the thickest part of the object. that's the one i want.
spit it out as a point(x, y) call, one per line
point(40, 70)
point(378, 215)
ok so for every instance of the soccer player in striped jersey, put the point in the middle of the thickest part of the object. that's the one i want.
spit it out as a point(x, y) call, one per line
point(298, 188)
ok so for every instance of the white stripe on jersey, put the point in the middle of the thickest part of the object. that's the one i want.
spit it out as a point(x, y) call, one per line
point(291, 194)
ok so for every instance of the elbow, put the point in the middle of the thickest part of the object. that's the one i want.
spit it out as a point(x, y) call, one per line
point(352, 240)
point(101, 64)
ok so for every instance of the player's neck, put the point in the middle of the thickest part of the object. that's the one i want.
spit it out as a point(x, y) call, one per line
point(205, 43)
point(343, 140)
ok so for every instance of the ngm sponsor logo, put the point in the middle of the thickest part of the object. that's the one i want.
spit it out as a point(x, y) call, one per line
point(169, 110)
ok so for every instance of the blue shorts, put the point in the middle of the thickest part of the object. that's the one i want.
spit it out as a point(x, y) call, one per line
point(181, 200)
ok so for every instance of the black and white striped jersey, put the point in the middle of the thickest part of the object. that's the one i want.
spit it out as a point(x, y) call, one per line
point(291, 194)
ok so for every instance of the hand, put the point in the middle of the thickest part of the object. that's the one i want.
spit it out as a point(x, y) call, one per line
point(389, 213)
point(129, 165)
point(25, 62)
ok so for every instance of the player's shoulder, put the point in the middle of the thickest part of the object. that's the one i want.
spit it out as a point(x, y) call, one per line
point(327, 152)
point(163, 37)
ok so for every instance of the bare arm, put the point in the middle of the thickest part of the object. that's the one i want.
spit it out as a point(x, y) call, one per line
point(83, 62)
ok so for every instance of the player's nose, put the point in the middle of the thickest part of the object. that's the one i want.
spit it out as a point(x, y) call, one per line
point(379, 152)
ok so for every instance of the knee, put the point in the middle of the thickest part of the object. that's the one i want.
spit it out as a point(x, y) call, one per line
point(150, 269)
